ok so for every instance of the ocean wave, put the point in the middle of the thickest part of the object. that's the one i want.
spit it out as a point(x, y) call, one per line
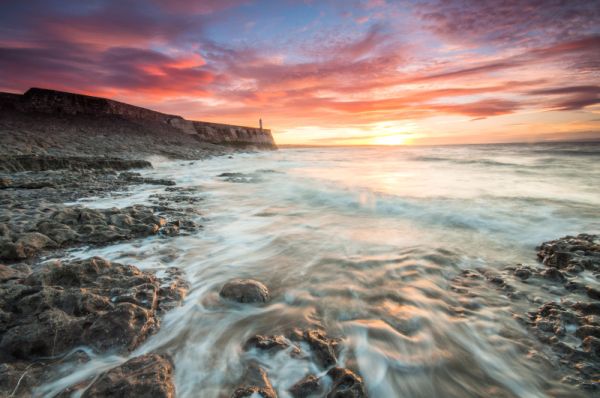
point(484, 162)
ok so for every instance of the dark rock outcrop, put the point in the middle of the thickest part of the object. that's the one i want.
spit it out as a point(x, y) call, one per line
point(245, 291)
point(571, 253)
point(267, 343)
point(108, 306)
point(43, 163)
point(324, 348)
point(255, 381)
point(306, 387)
point(346, 384)
point(78, 225)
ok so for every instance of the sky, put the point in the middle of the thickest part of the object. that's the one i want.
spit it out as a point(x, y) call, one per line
point(324, 72)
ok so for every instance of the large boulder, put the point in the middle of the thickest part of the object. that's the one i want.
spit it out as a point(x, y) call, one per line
point(245, 291)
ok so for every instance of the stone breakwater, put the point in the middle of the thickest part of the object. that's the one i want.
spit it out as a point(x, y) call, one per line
point(56, 122)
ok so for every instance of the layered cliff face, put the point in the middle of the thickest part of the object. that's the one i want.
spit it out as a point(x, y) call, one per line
point(48, 115)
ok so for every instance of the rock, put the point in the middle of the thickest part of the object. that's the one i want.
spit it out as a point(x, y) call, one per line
point(149, 375)
point(522, 273)
point(79, 225)
point(553, 274)
point(122, 328)
point(255, 383)
point(40, 163)
point(245, 291)
point(173, 289)
point(323, 348)
point(27, 245)
point(593, 293)
point(582, 250)
point(272, 344)
point(346, 384)
point(108, 306)
point(591, 344)
point(306, 387)
point(246, 178)
point(137, 178)
point(267, 343)
point(14, 272)
point(588, 330)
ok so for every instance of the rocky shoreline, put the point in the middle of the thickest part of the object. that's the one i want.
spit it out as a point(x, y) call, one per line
point(558, 301)
point(55, 312)
point(62, 311)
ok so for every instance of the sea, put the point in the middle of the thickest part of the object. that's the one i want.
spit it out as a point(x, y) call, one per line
point(370, 244)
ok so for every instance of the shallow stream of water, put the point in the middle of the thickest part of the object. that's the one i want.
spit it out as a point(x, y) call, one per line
point(366, 243)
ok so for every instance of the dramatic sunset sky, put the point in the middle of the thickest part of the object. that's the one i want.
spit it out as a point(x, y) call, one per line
point(325, 72)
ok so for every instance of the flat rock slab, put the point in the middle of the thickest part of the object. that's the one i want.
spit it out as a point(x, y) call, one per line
point(42, 163)
point(79, 225)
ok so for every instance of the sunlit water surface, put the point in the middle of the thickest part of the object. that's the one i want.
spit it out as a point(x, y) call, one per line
point(365, 243)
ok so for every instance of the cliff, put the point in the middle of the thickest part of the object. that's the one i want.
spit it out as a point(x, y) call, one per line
point(37, 108)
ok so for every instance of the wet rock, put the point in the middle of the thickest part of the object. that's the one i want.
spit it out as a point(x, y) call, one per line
point(591, 344)
point(255, 384)
point(173, 289)
point(323, 348)
point(16, 271)
point(522, 273)
point(107, 306)
point(19, 379)
point(587, 308)
point(267, 343)
point(346, 384)
point(553, 274)
point(137, 178)
point(26, 245)
point(245, 291)
point(588, 330)
point(309, 385)
point(77, 225)
point(145, 376)
point(122, 328)
point(245, 178)
point(582, 250)
point(41, 163)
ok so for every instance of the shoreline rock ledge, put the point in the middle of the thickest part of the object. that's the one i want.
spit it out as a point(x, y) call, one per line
point(48, 313)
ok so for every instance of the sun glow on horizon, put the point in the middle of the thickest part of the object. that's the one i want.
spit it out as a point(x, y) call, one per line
point(399, 139)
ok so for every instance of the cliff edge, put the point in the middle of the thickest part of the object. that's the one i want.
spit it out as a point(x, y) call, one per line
point(42, 121)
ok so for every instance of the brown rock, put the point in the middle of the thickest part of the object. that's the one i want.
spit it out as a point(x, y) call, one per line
point(145, 376)
point(346, 384)
point(255, 381)
point(323, 348)
point(108, 306)
point(245, 291)
point(306, 387)
point(268, 343)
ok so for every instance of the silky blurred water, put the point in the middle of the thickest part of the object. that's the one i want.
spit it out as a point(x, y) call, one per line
point(365, 243)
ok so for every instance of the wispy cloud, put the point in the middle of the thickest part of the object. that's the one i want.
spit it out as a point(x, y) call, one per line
point(315, 63)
